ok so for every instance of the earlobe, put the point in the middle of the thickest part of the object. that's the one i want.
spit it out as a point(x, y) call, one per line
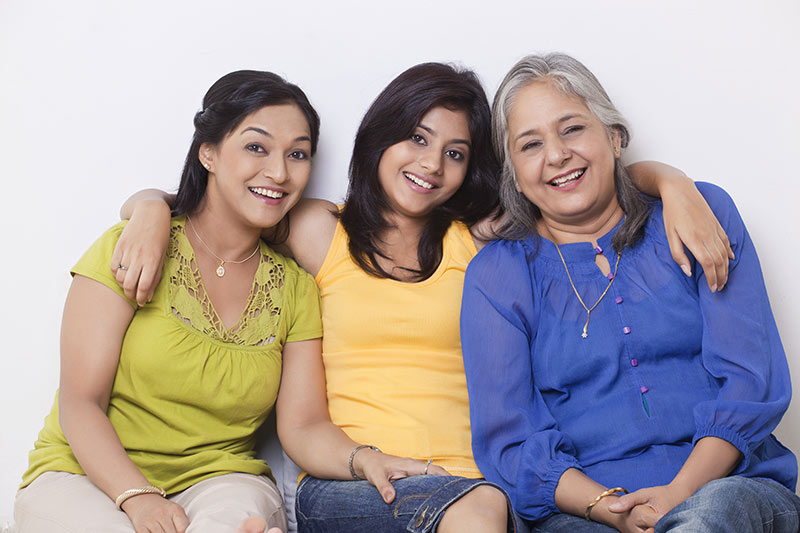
point(205, 157)
point(616, 142)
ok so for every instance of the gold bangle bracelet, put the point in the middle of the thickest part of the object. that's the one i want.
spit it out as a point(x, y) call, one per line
point(130, 493)
point(588, 514)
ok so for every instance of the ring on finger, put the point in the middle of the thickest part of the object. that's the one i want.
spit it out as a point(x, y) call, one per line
point(121, 267)
point(427, 465)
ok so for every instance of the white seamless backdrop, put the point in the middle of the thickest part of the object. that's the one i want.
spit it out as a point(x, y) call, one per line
point(97, 100)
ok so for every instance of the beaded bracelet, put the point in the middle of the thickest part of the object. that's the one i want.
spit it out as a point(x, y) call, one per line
point(130, 493)
point(353, 455)
point(588, 514)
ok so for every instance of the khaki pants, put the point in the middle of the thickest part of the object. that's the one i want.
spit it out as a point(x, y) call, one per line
point(58, 502)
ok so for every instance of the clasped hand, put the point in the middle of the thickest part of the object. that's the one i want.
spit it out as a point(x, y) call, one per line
point(640, 510)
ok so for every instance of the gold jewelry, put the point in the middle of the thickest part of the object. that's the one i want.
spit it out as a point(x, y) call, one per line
point(588, 514)
point(588, 309)
point(353, 456)
point(130, 493)
point(221, 267)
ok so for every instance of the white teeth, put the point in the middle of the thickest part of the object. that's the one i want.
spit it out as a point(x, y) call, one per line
point(420, 182)
point(269, 193)
point(563, 180)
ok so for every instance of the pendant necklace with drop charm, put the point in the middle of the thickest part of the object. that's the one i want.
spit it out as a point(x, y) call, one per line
point(611, 278)
point(221, 268)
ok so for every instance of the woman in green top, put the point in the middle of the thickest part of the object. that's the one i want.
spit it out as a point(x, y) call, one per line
point(158, 404)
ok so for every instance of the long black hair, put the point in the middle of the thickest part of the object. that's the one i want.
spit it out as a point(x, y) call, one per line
point(225, 106)
point(392, 118)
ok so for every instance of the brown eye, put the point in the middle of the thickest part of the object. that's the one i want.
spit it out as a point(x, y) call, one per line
point(455, 155)
point(531, 145)
point(418, 139)
point(255, 148)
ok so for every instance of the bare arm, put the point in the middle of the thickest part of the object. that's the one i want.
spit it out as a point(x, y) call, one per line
point(312, 223)
point(315, 443)
point(143, 243)
point(94, 324)
point(143, 197)
point(575, 491)
point(688, 220)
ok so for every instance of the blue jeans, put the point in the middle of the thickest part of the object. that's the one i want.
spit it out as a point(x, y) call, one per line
point(330, 506)
point(733, 504)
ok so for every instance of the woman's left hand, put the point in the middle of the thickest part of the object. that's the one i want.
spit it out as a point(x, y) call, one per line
point(661, 499)
point(381, 469)
point(689, 221)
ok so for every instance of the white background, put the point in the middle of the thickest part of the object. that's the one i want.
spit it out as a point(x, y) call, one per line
point(97, 100)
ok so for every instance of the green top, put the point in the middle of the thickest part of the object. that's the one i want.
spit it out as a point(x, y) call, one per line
point(188, 394)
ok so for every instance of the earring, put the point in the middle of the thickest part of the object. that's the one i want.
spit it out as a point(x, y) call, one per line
point(208, 167)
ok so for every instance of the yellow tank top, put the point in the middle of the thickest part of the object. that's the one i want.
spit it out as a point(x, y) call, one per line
point(392, 354)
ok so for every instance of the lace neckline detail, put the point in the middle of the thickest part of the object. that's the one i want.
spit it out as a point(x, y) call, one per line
point(189, 302)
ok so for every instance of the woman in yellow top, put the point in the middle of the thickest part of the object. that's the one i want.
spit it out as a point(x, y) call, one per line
point(153, 427)
point(390, 266)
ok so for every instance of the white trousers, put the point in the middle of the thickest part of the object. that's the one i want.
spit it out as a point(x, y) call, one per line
point(58, 502)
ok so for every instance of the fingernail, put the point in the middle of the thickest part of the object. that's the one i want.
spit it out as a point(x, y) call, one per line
point(714, 288)
point(686, 270)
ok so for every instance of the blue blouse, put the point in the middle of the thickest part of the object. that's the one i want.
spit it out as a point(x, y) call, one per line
point(666, 362)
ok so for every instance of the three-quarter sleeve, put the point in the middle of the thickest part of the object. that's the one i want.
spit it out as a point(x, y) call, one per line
point(516, 442)
point(741, 348)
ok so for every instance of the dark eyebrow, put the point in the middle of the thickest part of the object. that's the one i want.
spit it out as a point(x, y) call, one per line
point(257, 130)
point(459, 141)
point(267, 134)
point(561, 120)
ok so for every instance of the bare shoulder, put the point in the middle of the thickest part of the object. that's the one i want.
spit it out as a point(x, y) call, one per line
point(312, 226)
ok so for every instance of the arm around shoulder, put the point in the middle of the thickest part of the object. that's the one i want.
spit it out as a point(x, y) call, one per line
point(139, 254)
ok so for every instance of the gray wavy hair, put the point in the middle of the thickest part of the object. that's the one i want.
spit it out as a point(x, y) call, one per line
point(572, 78)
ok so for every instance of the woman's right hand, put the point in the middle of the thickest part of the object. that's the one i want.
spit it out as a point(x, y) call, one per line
point(150, 513)
point(140, 250)
point(381, 469)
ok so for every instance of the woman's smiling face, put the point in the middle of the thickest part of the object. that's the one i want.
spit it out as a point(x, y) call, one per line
point(563, 156)
point(260, 169)
point(424, 171)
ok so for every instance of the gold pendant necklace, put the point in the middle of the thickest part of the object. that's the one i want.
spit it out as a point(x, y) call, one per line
point(221, 267)
point(588, 309)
